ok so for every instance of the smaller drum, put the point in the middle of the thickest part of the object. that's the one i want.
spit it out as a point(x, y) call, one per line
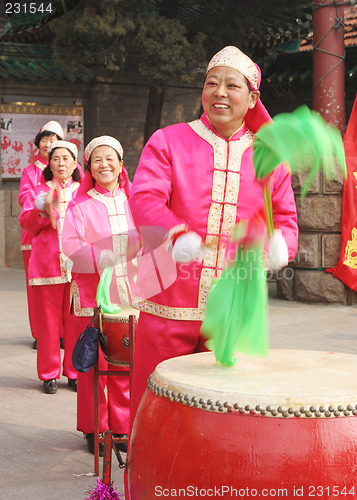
point(114, 335)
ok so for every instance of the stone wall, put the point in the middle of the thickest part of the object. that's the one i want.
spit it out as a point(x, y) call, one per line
point(13, 254)
point(2, 229)
point(111, 106)
point(319, 220)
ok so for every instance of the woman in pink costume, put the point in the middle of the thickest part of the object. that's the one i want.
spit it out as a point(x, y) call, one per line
point(195, 181)
point(98, 233)
point(32, 176)
point(48, 269)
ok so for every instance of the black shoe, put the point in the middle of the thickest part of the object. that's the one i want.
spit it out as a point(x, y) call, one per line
point(34, 345)
point(50, 386)
point(72, 382)
point(61, 343)
point(122, 446)
point(90, 444)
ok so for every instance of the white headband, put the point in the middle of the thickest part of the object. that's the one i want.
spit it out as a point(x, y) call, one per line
point(65, 144)
point(53, 127)
point(104, 140)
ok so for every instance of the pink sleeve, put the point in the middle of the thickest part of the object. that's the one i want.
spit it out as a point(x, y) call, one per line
point(74, 242)
point(134, 244)
point(151, 191)
point(284, 209)
point(25, 187)
point(30, 218)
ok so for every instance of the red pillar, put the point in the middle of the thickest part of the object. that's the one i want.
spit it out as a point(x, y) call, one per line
point(328, 62)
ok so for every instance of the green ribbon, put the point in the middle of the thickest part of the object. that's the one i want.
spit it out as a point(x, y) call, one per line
point(103, 292)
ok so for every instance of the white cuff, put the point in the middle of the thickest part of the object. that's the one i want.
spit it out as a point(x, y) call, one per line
point(40, 201)
point(278, 255)
point(188, 247)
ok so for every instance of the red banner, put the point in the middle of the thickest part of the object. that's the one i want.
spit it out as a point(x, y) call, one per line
point(346, 269)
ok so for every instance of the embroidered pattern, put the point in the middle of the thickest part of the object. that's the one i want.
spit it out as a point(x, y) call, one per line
point(119, 228)
point(75, 299)
point(40, 165)
point(66, 194)
point(223, 210)
point(178, 313)
point(55, 280)
point(221, 219)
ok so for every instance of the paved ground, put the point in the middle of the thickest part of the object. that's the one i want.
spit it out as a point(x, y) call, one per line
point(43, 457)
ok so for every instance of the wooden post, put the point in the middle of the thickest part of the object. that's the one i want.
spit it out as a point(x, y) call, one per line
point(328, 61)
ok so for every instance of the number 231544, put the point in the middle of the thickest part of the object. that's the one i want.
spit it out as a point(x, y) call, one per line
point(28, 8)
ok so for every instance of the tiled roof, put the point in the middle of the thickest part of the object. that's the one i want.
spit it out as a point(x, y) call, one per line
point(34, 62)
point(23, 22)
point(26, 27)
point(289, 74)
point(290, 64)
point(24, 49)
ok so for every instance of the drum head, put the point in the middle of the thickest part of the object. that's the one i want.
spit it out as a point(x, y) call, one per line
point(122, 316)
point(283, 380)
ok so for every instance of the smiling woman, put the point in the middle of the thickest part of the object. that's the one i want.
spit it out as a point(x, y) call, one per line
point(105, 165)
point(48, 273)
point(99, 232)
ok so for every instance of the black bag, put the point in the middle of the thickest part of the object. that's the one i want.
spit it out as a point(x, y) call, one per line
point(85, 352)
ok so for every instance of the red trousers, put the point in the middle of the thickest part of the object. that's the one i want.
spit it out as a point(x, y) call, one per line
point(26, 254)
point(52, 321)
point(158, 339)
point(113, 409)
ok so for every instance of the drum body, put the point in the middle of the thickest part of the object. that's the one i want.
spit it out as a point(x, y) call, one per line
point(237, 432)
point(114, 339)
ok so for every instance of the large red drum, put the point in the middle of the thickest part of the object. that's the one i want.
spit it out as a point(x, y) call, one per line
point(114, 339)
point(283, 426)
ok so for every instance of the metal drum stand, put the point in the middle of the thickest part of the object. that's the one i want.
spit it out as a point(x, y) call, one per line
point(108, 439)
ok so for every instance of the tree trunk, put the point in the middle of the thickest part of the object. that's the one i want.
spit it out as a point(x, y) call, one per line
point(153, 112)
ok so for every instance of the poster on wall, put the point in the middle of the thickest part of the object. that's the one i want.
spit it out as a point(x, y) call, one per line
point(19, 125)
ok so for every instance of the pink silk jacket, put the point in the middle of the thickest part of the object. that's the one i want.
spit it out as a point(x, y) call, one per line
point(48, 265)
point(31, 176)
point(95, 221)
point(191, 178)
